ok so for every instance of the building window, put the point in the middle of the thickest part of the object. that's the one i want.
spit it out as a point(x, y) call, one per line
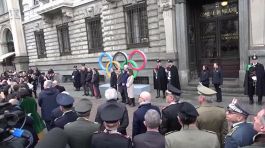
point(63, 38)
point(36, 2)
point(137, 25)
point(40, 43)
point(94, 34)
point(3, 7)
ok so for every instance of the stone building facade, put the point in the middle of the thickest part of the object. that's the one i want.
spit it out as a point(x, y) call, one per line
point(62, 33)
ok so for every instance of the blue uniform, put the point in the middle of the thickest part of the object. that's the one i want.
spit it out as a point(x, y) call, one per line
point(241, 135)
point(67, 117)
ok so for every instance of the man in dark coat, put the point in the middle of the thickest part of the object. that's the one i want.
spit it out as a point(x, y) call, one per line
point(111, 96)
point(122, 84)
point(83, 75)
point(217, 80)
point(170, 113)
point(66, 105)
point(161, 79)
point(138, 116)
point(259, 126)
point(47, 102)
point(89, 83)
point(173, 75)
point(80, 131)
point(152, 138)
point(76, 78)
point(110, 138)
point(255, 80)
point(113, 79)
point(57, 86)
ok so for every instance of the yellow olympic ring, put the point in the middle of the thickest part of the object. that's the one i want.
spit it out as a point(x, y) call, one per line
point(107, 67)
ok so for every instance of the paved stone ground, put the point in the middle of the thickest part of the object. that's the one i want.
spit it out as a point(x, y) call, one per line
point(157, 101)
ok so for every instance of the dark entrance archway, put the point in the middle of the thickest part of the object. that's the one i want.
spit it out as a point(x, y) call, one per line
point(8, 57)
point(213, 35)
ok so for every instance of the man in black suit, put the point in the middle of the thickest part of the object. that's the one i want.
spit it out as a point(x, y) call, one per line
point(152, 138)
point(80, 131)
point(76, 78)
point(161, 79)
point(83, 75)
point(110, 138)
point(170, 113)
point(57, 86)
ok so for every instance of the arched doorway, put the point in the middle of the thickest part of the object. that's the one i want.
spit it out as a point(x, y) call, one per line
point(8, 52)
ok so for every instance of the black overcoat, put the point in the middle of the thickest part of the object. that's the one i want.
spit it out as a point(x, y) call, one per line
point(174, 79)
point(161, 79)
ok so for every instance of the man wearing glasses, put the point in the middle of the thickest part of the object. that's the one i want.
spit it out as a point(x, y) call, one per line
point(242, 132)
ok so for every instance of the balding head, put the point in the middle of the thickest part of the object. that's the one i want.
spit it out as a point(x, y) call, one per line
point(145, 97)
point(54, 83)
point(111, 93)
point(47, 84)
point(259, 121)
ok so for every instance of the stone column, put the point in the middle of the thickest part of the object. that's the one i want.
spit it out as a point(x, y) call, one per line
point(182, 41)
point(243, 37)
point(21, 60)
point(168, 8)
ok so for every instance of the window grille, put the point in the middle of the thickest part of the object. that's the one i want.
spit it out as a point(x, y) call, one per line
point(94, 34)
point(141, 80)
point(63, 38)
point(40, 44)
point(137, 25)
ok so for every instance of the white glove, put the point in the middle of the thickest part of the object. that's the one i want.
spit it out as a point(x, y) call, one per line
point(254, 78)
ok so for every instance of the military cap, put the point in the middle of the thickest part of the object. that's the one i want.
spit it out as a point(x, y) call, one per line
point(75, 66)
point(254, 57)
point(54, 138)
point(83, 64)
point(202, 90)
point(169, 61)
point(83, 106)
point(234, 106)
point(111, 113)
point(173, 90)
point(158, 61)
point(64, 99)
point(188, 109)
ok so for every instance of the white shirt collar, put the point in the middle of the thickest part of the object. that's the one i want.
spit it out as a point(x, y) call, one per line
point(235, 124)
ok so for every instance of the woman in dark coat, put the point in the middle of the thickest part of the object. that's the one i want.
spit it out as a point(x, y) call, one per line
point(95, 82)
point(204, 77)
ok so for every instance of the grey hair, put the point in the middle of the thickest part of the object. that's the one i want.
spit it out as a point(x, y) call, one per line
point(48, 84)
point(209, 99)
point(152, 119)
point(111, 93)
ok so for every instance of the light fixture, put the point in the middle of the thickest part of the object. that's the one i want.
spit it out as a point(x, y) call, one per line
point(224, 3)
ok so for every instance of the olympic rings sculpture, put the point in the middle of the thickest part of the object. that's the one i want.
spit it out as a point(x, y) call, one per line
point(128, 60)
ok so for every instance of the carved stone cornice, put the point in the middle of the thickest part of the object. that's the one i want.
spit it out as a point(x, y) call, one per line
point(166, 5)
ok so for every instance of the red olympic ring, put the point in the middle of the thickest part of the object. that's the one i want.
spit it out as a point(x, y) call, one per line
point(142, 55)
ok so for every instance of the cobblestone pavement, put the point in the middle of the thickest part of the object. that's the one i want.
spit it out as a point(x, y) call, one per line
point(157, 101)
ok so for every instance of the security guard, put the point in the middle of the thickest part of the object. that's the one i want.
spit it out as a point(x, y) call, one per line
point(80, 131)
point(66, 104)
point(110, 138)
point(211, 117)
point(190, 136)
point(242, 133)
point(170, 113)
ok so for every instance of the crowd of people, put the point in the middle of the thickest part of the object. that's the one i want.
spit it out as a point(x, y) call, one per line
point(177, 125)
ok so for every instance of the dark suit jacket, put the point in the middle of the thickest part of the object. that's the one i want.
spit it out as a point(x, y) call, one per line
point(170, 119)
point(80, 133)
point(67, 117)
point(124, 122)
point(149, 139)
point(113, 80)
point(138, 118)
point(60, 88)
point(108, 140)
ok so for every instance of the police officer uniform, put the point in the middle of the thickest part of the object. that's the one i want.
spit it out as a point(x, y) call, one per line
point(111, 138)
point(242, 133)
point(190, 136)
point(80, 131)
point(68, 116)
point(173, 75)
point(212, 118)
point(254, 81)
point(170, 113)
